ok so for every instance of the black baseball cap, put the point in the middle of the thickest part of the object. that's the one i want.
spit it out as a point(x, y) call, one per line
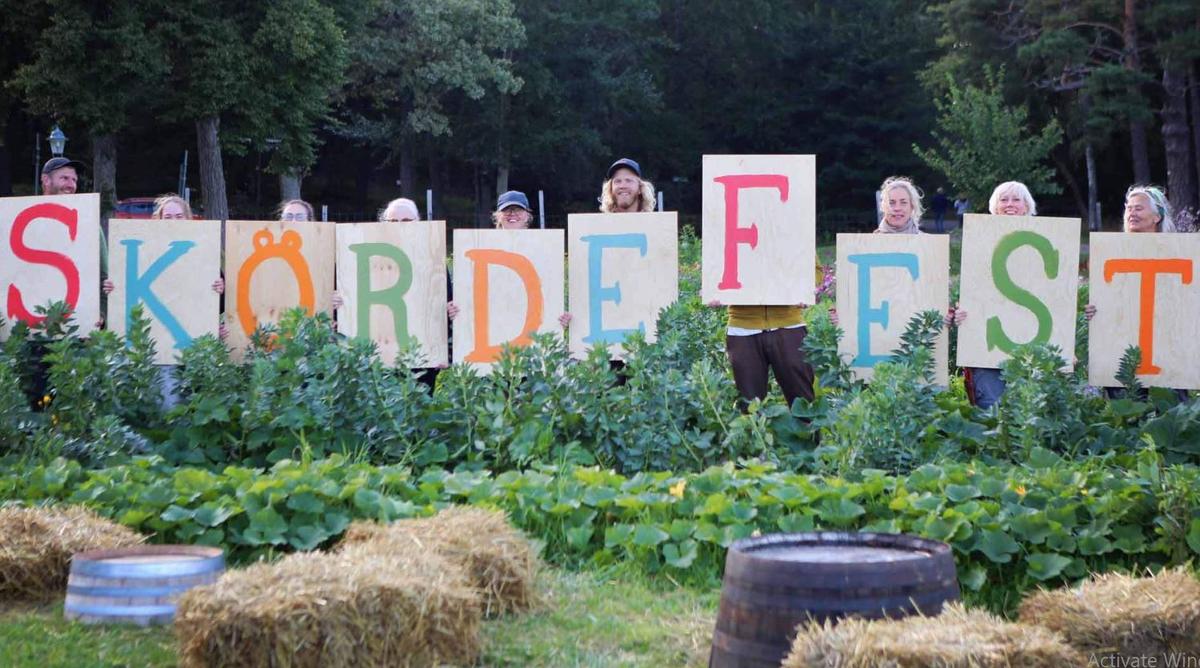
point(625, 162)
point(60, 162)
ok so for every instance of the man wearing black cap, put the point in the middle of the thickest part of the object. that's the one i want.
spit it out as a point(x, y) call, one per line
point(625, 190)
point(60, 176)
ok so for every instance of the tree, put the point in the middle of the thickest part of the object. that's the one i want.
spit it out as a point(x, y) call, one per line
point(410, 58)
point(262, 69)
point(1175, 27)
point(302, 63)
point(586, 97)
point(93, 67)
point(982, 142)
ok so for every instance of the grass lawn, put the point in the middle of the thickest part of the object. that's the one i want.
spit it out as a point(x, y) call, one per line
point(589, 619)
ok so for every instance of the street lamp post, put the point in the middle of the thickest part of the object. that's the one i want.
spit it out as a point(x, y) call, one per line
point(58, 141)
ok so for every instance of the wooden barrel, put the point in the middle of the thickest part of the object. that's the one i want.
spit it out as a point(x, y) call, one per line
point(137, 585)
point(775, 582)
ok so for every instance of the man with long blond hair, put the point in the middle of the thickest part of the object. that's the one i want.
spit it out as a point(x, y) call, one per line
point(624, 190)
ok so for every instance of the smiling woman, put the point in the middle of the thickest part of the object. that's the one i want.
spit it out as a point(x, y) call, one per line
point(900, 203)
point(1147, 210)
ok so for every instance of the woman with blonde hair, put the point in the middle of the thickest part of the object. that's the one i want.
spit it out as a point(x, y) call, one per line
point(512, 211)
point(171, 207)
point(985, 386)
point(900, 205)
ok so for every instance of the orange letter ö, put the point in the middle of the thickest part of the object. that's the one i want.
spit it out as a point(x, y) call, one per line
point(288, 250)
point(483, 352)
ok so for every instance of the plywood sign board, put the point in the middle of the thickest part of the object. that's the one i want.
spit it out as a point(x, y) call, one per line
point(50, 252)
point(759, 229)
point(508, 284)
point(1146, 294)
point(883, 281)
point(168, 267)
point(1019, 283)
point(624, 269)
point(271, 267)
point(392, 279)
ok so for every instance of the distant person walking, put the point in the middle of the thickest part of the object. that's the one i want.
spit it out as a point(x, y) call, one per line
point(961, 206)
point(938, 205)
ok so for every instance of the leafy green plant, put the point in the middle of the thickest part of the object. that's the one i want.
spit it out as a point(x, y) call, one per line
point(1011, 527)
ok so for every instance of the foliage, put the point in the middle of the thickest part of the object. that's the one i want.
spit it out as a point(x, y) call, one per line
point(982, 141)
point(1011, 527)
point(398, 85)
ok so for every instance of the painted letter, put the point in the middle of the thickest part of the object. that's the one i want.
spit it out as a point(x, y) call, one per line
point(1149, 270)
point(138, 289)
point(392, 297)
point(996, 338)
point(288, 250)
point(64, 215)
point(735, 235)
point(483, 259)
point(598, 294)
point(866, 314)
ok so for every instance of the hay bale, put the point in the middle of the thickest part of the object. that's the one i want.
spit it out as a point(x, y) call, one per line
point(956, 638)
point(354, 608)
point(36, 545)
point(1116, 616)
point(497, 558)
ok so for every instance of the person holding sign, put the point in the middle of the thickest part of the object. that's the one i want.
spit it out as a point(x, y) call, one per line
point(60, 176)
point(1147, 210)
point(401, 210)
point(901, 204)
point(625, 190)
point(512, 213)
point(296, 210)
point(984, 386)
point(173, 207)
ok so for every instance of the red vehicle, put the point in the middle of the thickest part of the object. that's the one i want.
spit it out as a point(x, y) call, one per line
point(138, 208)
point(134, 207)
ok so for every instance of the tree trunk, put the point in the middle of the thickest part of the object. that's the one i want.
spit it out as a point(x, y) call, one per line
point(1064, 170)
point(104, 170)
point(289, 186)
point(1093, 203)
point(1181, 182)
point(212, 170)
point(5, 167)
point(1137, 128)
point(1089, 155)
point(502, 178)
point(408, 179)
point(1194, 94)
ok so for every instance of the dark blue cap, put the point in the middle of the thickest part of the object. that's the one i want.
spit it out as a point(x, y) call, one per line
point(625, 162)
point(513, 198)
point(60, 162)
